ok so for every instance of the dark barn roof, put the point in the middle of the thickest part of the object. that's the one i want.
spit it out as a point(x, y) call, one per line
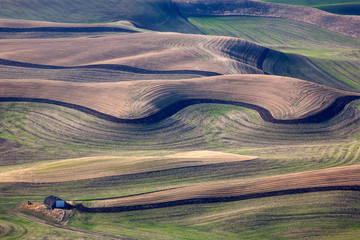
point(51, 201)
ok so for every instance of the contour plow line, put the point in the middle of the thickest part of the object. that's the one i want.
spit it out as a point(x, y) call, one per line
point(332, 179)
point(98, 167)
point(276, 99)
point(157, 53)
point(348, 25)
point(142, 51)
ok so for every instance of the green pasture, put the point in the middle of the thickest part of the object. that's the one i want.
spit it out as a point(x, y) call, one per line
point(312, 215)
point(344, 7)
point(14, 224)
point(283, 35)
point(334, 58)
point(325, 215)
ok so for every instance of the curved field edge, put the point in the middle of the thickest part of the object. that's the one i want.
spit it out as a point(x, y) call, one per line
point(106, 166)
point(160, 15)
point(153, 53)
point(114, 67)
point(326, 114)
point(140, 52)
point(343, 9)
point(35, 131)
point(347, 7)
point(339, 178)
point(334, 53)
point(282, 217)
point(277, 99)
point(279, 217)
point(337, 23)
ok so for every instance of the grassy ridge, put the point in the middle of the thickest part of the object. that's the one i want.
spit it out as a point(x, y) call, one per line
point(36, 131)
point(333, 143)
point(344, 7)
point(334, 215)
point(290, 217)
point(329, 51)
point(151, 14)
point(281, 34)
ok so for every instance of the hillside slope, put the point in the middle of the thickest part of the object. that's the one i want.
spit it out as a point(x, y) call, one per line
point(154, 53)
point(349, 25)
point(345, 7)
point(333, 53)
point(285, 98)
point(151, 14)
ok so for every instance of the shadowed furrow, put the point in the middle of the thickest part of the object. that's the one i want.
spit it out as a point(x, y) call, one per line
point(155, 53)
point(69, 133)
point(140, 52)
point(277, 99)
point(115, 67)
point(335, 108)
point(339, 178)
point(84, 74)
point(66, 29)
point(82, 208)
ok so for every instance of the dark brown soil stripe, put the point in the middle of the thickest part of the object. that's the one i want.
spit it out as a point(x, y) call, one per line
point(331, 111)
point(189, 201)
point(117, 67)
point(67, 29)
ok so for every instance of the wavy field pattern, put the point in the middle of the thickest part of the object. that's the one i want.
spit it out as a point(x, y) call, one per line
point(245, 127)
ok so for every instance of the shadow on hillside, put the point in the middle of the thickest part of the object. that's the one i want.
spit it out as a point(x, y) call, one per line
point(331, 111)
point(116, 67)
point(80, 207)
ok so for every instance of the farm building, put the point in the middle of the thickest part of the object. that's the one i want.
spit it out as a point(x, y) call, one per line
point(55, 202)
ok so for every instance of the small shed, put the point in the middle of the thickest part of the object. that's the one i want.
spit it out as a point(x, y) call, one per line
point(55, 202)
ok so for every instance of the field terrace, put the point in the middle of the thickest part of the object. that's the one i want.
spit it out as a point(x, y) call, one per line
point(164, 135)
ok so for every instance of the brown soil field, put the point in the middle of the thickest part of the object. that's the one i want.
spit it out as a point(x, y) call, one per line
point(17, 23)
point(337, 177)
point(348, 25)
point(285, 98)
point(153, 51)
point(21, 29)
point(96, 167)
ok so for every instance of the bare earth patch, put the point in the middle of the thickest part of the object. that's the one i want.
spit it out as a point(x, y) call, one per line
point(40, 210)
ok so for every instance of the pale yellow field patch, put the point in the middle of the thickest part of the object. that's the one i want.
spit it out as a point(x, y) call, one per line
point(210, 156)
point(95, 167)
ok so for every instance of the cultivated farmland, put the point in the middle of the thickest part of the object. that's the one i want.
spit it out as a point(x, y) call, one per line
point(178, 119)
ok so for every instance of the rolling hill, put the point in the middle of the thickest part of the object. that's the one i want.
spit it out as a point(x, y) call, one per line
point(245, 127)
point(348, 25)
point(151, 14)
point(347, 7)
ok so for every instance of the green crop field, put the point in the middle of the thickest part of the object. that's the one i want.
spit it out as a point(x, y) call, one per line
point(345, 7)
point(335, 53)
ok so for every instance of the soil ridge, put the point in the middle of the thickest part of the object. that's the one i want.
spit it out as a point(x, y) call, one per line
point(324, 115)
